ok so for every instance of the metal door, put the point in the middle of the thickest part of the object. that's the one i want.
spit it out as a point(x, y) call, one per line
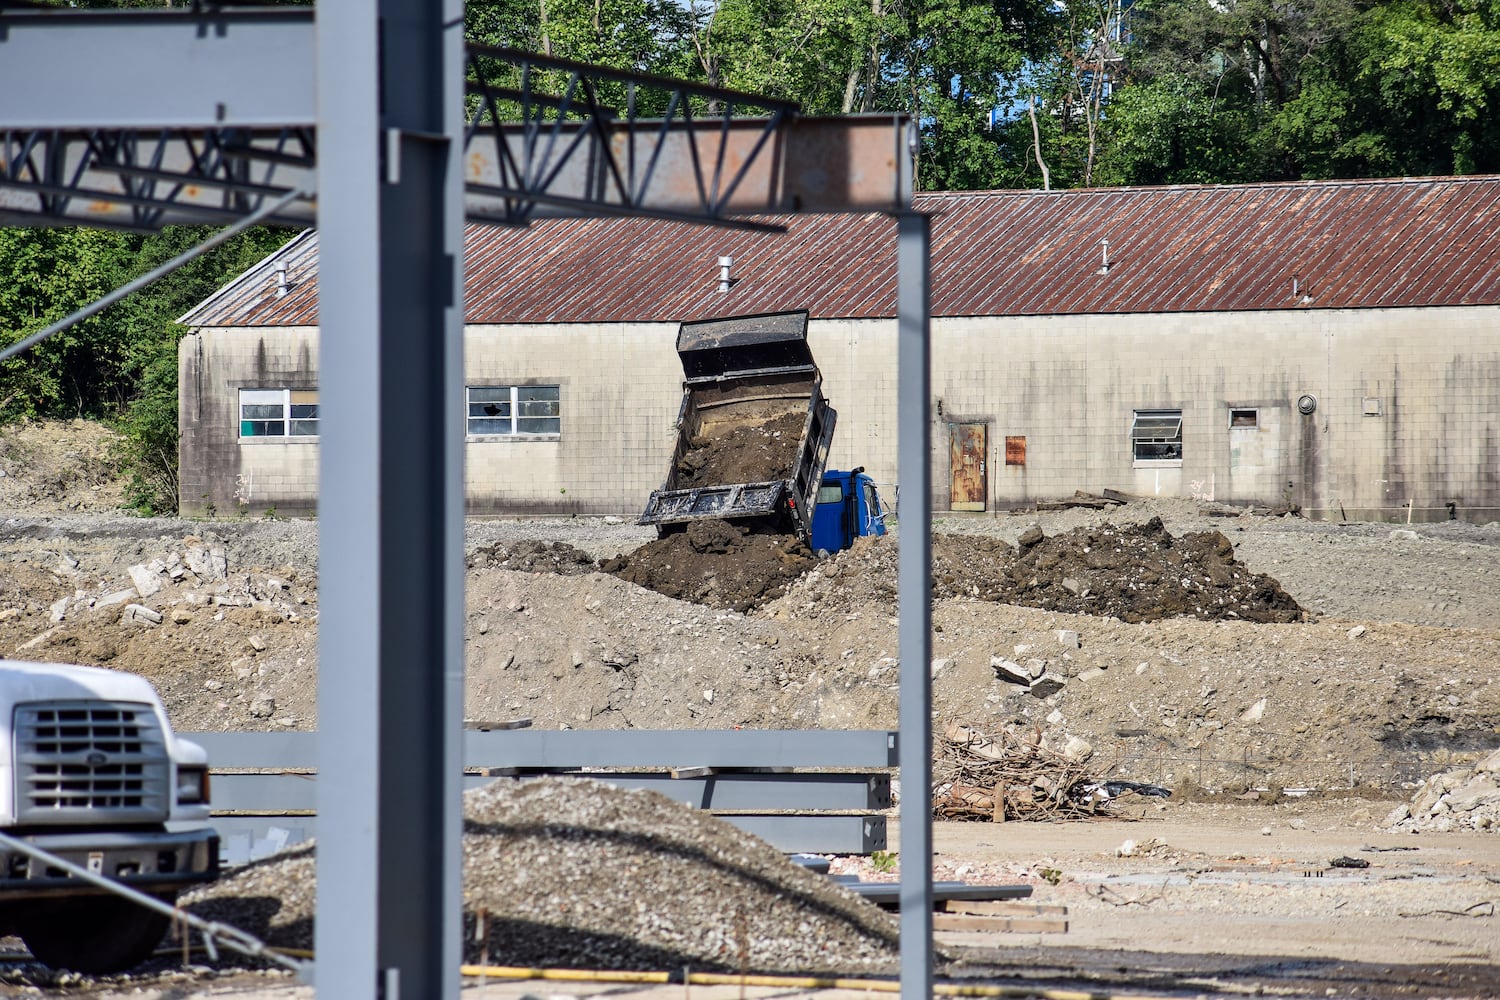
point(967, 447)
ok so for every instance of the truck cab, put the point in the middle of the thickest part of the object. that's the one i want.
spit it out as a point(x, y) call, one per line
point(848, 507)
point(91, 772)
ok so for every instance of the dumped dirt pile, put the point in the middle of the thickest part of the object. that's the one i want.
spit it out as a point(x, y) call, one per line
point(748, 453)
point(576, 874)
point(1136, 573)
point(716, 563)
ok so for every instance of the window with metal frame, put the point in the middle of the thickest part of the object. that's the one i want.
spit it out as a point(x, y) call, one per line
point(278, 413)
point(514, 409)
point(1156, 436)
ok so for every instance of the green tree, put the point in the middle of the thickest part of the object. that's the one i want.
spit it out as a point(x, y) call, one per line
point(119, 365)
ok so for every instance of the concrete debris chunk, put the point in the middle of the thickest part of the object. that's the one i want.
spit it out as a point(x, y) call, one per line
point(1068, 638)
point(1404, 535)
point(1461, 798)
point(118, 597)
point(1255, 712)
point(1009, 670)
point(146, 581)
point(60, 609)
point(1047, 685)
point(1031, 536)
point(1356, 631)
point(140, 613)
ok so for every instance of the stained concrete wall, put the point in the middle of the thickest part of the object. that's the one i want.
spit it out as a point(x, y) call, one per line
point(1068, 385)
point(218, 472)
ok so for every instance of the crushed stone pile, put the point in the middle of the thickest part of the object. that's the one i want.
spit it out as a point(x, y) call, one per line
point(717, 563)
point(744, 453)
point(1461, 798)
point(581, 875)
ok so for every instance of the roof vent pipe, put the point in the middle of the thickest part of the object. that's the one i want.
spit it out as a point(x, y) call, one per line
point(1104, 258)
point(281, 285)
point(725, 281)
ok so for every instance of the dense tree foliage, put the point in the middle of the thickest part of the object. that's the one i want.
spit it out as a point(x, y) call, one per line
point(120, 364)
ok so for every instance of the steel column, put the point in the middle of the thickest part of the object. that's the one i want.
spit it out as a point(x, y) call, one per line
point(914, 582)
point(390, 677)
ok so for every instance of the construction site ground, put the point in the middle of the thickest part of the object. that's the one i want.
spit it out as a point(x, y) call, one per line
point(1291, 682)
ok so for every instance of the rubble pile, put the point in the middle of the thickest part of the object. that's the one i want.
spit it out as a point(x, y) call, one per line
point(1461, 798)
point(571, 873)
point(532, 557)
point(1006, 775)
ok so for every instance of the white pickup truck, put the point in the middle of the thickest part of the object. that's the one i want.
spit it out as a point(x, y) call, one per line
point(91, 773)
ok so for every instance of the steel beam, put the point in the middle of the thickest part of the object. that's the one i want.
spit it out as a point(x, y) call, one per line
point(914, 584)
point(149, 118)
point(585, 748)
point(245, 838)
point(390, 628)
point(203, 67)
point(288, 793)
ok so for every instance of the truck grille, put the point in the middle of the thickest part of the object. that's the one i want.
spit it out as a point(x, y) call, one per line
point(87, 762)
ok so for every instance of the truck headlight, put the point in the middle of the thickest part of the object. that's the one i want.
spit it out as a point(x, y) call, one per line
point(192, 785)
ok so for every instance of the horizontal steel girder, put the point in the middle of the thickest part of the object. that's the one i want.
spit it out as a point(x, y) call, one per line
point(593, 748)
point(240, 792)
point(146, 118)
point(244, 839)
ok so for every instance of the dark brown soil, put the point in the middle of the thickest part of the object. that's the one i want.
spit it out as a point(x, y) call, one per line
point(752, 453)
point(1138, 573)
point(716, 563)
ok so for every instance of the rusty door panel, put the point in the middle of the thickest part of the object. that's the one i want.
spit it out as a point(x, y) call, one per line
point(967, 447)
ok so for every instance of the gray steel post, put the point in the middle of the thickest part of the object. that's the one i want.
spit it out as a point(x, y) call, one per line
point(914, 582)
point(390, 677)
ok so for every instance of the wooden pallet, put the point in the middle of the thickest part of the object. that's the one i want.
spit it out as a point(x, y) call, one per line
point(998, 917)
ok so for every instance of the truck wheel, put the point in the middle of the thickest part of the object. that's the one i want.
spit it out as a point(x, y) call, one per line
point(94, 936)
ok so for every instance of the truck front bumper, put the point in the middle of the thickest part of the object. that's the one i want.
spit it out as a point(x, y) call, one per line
point(150, 861)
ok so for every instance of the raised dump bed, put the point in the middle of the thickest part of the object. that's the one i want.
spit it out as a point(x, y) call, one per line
point(754, 429)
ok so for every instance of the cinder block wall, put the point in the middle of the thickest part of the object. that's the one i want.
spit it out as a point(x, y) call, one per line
point(621, 385)
point(1429, 379)
point(217, 472)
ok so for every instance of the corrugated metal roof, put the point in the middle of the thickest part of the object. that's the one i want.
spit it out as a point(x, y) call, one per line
point(1340, 244)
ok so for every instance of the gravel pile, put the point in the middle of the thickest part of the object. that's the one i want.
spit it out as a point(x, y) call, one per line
point(1461, 798)
point(576, 874)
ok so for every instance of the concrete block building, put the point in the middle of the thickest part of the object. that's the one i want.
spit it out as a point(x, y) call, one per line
point(1328, 344)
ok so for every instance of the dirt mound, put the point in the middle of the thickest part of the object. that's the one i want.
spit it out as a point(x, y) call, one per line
point(753, 453)
point(1136, 573)
point(533, 855)
point(55, 467)
point(534, 557)
point(716, 563)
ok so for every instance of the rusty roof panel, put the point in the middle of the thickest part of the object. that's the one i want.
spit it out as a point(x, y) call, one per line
point(1336, 244)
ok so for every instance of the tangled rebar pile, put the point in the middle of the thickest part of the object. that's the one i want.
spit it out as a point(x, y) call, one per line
point(1004, 775)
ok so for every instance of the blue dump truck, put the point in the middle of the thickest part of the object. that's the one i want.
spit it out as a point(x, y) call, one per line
point(848, 507)
point(753, 435)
